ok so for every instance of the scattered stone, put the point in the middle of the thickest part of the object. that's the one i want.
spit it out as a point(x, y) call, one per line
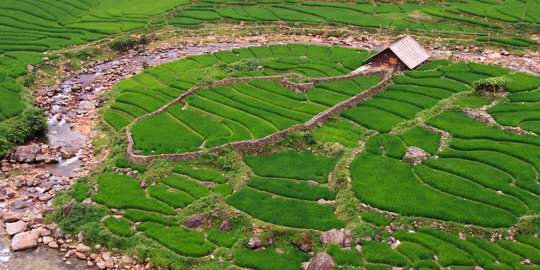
point(323, 261)
point(338, 237)
point(53, 244)
point(313, 183)
point(80, 237)
point(254, 242)
point(47, 240)
point(225, 226)
point(194, 222)
point(16, 227)
point(82, 248)
point(23, 240)
point(415, 155)
point(46, 159)
point(12, 216)
point(66, 208)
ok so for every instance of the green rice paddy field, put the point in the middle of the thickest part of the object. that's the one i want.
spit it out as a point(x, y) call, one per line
point(479, 180)
point(474, 202)
point(29, 28)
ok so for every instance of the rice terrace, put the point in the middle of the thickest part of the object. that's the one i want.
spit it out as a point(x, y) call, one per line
point(270, 134)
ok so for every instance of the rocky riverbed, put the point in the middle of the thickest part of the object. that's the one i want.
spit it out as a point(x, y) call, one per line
point(53, 163)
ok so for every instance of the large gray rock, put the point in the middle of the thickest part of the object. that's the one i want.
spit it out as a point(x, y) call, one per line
point(322, 261)
point(22, 241)
point(27, 153)
point(194, 222)
point(333, 236)
point(16, 227)
point(254, 243)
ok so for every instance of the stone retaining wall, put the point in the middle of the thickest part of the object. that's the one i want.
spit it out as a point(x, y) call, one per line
point(259, 144)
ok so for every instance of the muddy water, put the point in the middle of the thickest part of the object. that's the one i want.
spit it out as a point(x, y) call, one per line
point(99, 79)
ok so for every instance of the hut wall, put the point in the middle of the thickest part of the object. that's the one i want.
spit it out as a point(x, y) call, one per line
point(388, 59)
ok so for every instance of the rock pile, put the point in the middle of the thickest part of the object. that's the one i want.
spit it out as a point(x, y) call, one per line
point(415, 155)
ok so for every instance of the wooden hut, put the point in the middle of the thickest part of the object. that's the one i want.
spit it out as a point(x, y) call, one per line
point(402, 55)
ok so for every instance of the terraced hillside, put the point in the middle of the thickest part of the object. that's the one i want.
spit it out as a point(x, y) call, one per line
point(235, 112)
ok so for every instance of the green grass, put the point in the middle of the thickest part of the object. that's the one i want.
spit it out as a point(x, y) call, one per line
point(471, 102)
point(268, 259)
point(121, 192)
point(119, 227)
point(376, 219)
point(194, 189)
point(286, 212)
point(291, 188)
point(222, 239)
point(174, 198)
point(80, 191)
point(179, 239)
point(344, 257)
point(400, 184)
point(201, 174)
point(294, 165)
point(376, 252)
point(144, 216)
point(342, 131)
point(420, 137)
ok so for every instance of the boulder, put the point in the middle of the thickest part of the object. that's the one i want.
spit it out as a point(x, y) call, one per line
point(333, 236)
point(194, 222)
point(16, 227)
point(80, 237)
point(47, 240)
point(23, 240)
point(225, 226)
point(66, 208)
point(27, 153)
point(323, 261)
point(254, 243)
point(82, 248)
point(12, 216)
point(46, 159)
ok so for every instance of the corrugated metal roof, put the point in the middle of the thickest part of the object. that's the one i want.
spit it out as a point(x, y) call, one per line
point(408, 51)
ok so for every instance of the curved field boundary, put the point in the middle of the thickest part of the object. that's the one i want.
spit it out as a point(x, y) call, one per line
point(259, 143)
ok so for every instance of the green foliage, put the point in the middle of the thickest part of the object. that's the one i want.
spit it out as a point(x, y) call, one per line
point(286, 212)
point(291, 188)
point(120, 227)
point(174, 198)
point(143, 216)
point(124, 163)
point(268, 259)
point(80, 214)
point(344, 257)
point(376, 219)
point(297, 165)
point(179, 239)
point(200, 174)
point(420, 137)
point(222, 239)
point(127, 43)
point(472, 102)
point(80, 191)
point(29, 124)
point(120, 192)
point(376, 252)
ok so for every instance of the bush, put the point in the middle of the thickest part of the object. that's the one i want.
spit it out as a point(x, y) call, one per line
point(126, 43)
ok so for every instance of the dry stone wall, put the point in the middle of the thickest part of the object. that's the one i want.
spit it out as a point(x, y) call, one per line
point(259, 144)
